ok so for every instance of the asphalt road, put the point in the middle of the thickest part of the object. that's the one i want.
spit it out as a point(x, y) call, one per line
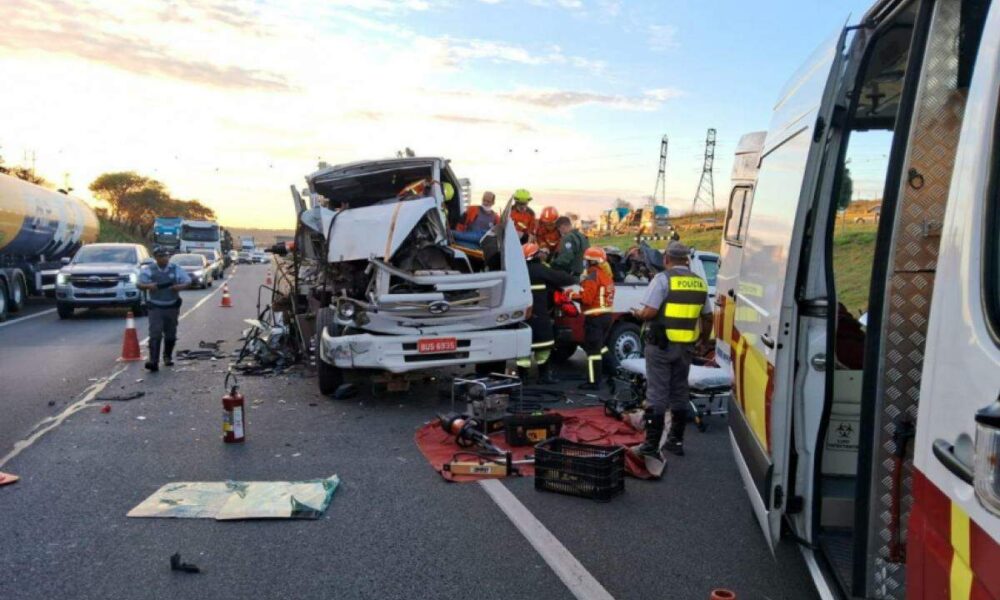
point(394, 528)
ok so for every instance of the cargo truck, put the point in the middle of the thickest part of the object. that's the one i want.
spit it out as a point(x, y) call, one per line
point(167, 232)
point(38, 228)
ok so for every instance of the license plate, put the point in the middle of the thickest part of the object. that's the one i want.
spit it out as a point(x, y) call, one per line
point(437, 345)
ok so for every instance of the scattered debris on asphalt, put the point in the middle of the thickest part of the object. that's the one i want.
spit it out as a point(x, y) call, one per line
point(200, 354)
point(120, 397)
point(106, 409)
point(177, 565)
point(7, 478)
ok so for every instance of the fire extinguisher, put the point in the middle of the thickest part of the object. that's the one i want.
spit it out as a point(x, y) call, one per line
point(233, 413)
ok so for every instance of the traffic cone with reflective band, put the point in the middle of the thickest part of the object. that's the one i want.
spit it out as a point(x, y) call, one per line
point(130, 345)
point(6, 478)
point(721, 594)
point(226, 302)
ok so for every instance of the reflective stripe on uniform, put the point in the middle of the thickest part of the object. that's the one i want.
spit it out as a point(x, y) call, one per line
point(590, 367)
point(604, 350)
point(682, 307)
point(538, 287)
point(538, 345)
point(597, 311)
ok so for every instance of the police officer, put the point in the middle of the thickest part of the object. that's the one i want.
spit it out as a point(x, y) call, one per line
point(597, 299)
point(163, 280)
point(544, 281)
point(677, 308)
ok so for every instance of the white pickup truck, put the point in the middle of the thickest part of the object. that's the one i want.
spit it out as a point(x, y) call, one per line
point(399, 294)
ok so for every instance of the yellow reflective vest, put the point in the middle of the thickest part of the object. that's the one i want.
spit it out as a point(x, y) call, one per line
point(678, 317)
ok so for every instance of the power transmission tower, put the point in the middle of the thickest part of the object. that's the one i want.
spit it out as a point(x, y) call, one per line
point(660, 189)
point(704, 198)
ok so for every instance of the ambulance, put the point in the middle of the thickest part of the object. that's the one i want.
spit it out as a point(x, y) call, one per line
point(875, 447)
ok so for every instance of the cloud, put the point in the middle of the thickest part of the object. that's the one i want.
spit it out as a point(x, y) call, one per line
point(86, 32)
point(662, 37)
point(470, 120)
point(649, 100)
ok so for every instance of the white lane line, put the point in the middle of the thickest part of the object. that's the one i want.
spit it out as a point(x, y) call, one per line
point(573, 574)
point(49, 423)
point(19, 319)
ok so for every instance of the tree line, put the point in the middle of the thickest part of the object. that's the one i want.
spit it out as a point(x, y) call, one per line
point(135, 200)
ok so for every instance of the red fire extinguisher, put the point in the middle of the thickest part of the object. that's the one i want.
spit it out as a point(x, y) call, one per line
point(233, 413)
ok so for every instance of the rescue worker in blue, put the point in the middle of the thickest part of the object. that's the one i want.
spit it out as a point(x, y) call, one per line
point(544, 281)
point(678, 315)
point(164, 281)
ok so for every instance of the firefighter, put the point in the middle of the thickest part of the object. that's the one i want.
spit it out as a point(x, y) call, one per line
point(163, 280)
point(677, 307)
point(480, 219)
point(523, 216)
point(572, 245)
point(544, 282)
point(597, 298)
point(547, 235)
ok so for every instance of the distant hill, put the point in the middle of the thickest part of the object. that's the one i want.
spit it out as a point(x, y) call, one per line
point(263, 237)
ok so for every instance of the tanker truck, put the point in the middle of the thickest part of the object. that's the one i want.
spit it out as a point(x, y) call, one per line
point(38, 228)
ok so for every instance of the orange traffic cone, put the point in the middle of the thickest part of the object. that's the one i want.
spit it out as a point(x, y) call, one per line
point(226, 302)
point(130, 345)
point(721, 594)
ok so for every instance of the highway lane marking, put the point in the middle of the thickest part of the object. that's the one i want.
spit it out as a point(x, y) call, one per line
point(580, 582)
point(49, 423)
point(19, 319)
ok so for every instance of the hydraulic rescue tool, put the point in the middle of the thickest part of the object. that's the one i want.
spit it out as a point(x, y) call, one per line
point(494, 462)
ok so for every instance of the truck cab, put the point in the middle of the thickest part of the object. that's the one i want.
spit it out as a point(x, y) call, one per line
point(395, 292)
point(875, 448)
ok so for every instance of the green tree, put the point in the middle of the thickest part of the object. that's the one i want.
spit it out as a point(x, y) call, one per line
point(846, 188)
point(113, 188)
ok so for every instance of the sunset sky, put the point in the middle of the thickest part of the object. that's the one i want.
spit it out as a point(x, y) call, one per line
point(231, 102)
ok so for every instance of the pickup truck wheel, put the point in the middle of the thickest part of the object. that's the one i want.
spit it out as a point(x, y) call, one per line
point(562, 352)
point(65, 311)
point(18, 293)
point(330, 377)
point(4, 302)
point(624, 342)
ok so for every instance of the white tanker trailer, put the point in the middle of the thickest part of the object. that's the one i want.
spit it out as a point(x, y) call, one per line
point(38, 227)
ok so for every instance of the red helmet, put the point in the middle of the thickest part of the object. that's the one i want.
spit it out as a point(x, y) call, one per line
point(595, 254)
point(549, 215)
point(530, 250)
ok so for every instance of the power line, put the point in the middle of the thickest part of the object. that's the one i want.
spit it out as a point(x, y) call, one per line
point(705, 196)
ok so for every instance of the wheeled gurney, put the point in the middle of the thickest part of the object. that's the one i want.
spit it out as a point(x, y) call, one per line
point(710, 387)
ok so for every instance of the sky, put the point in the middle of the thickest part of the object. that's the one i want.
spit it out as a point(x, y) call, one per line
point(232, 101)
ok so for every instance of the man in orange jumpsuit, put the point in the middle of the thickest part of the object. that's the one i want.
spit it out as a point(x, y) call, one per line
point(597, 298)
point(523, 216)
point(547, 236)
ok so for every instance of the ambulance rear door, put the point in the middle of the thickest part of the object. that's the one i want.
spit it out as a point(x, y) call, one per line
point(953, 543)
point(761, 328)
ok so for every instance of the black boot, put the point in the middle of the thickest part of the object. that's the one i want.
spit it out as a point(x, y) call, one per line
point(654, 432)
point(153, 363)
point(545, 375)
point(675, 438)
point(593, 375)
point(168, 352)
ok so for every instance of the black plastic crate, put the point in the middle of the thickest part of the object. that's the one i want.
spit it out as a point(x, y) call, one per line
point(585, 470)
point(532, 428)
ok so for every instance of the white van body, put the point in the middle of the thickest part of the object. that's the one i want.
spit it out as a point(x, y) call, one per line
point(879, 470)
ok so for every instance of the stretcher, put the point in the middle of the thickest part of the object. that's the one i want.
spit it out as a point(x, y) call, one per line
point(710, 387)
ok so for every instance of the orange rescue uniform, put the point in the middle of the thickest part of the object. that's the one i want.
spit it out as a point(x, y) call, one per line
point(548, 238)
point(524, 221)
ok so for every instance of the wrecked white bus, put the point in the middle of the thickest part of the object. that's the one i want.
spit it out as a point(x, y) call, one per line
point(397, 292)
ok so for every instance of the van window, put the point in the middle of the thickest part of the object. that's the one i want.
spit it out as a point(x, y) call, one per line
point(991, 274)
point(738, 215)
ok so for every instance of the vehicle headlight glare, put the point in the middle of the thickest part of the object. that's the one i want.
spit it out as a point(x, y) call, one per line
point(62, 279)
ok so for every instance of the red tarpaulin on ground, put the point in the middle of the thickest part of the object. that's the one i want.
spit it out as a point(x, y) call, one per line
point(585, 425)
